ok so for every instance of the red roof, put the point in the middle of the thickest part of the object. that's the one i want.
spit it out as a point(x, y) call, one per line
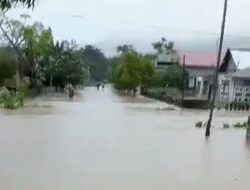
point(200, 59)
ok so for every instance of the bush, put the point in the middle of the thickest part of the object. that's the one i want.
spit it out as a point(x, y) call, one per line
point(199, 124)
point(173, 76)
point(240, 125)
point(13, 101)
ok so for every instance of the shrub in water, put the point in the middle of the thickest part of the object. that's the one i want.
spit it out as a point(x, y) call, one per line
point(13, 101)
point(199, 124)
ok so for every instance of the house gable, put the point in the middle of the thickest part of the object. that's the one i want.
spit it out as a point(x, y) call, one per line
point(228, 64)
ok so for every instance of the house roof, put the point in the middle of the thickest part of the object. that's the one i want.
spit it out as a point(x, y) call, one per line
point(241, 57)
point(242, 73)
point(200, 59)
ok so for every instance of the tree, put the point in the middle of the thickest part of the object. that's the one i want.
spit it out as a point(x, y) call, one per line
point(65, 65)
point(163, 44)
point(150, 56)
point(129, 73)
point(113, 63)
point(8, 4)
point(124, 48)
point(7, 65)
point(38, 44)
point(148, 72)
point(97, 63)
point(173, 76)
point(133, 71)
point(12, 32)
point(32, 44)
point(70, 70)
point(51, 62)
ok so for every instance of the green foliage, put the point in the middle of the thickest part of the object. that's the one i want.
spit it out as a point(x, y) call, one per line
point(7, 66)
point(163, 44)
point(97, 63)
point(113, 63)
point(38, 44)
point(199, 124)
point(69, 70)
point(65, 65)
point(148, 71)
point(173, 76)
point(125, 48)
point(8, 4)
point(133, 71)
point(157, 80)
point(240, 125)
point(151, 57)
point(42, 60)
point(13, 101)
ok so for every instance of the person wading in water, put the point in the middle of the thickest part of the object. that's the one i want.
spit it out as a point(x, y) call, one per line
point(98, 86)
point(71, 90)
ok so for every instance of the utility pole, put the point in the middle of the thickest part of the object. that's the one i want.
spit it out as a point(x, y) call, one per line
point(215, 78)
point(183, 80)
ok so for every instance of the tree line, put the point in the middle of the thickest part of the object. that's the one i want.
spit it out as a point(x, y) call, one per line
point(33, 52)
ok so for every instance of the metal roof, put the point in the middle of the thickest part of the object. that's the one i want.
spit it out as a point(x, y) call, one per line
point(241, 57)
point(242, 73)
point(200, 59)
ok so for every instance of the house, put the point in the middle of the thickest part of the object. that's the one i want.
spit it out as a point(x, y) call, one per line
point(234, 78)
point(165, 58)
point(201, 67)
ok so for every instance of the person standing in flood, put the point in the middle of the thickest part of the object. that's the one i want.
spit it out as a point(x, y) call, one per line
point(98, 86)
point(71, 90)
point(103, 87)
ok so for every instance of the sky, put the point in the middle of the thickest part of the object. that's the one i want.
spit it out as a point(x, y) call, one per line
point(193, 25)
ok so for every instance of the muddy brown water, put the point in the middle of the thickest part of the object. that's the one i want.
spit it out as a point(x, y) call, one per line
point(103, 141)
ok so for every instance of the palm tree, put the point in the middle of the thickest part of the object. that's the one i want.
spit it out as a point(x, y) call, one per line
point(159, 45)
point(124, 48)
point(8, 4)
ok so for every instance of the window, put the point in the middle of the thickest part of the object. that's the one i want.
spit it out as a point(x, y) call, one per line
point(247, 83)
point(238, 94)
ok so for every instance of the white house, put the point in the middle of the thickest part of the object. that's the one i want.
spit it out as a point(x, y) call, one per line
point(165, 58)
point(234, 78)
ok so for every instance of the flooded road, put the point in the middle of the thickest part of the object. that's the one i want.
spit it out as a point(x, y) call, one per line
point(103, 141)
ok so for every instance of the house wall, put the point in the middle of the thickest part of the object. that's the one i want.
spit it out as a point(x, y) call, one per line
point(226, 83)
point(225, 91)
point(241, 89)
point(202, 78)
point(231, 66)
point(237, 89)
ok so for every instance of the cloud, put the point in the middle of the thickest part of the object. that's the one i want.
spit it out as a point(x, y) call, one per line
point(140, 21)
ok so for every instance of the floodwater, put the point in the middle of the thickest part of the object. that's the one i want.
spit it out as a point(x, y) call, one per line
point(103, 141)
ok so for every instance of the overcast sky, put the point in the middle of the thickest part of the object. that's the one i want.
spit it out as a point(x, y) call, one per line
point(107, 23)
